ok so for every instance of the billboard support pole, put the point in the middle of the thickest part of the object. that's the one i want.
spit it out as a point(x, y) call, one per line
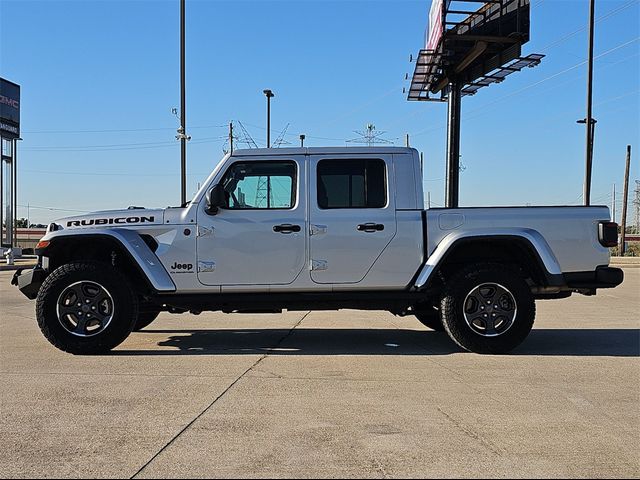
point(453, 145)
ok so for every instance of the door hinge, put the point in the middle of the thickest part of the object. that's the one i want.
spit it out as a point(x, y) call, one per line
point(204, 231)
point(317, 229)
point(319, 265)
point(206, 267)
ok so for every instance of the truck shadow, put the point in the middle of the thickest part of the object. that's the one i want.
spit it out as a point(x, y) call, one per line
point(336, 341)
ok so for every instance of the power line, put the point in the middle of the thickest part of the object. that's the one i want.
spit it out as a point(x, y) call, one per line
point(118, 130)
point(116, 146)
point(561, 40)
point(107, 174)
point(483, 109)
point(54, 209)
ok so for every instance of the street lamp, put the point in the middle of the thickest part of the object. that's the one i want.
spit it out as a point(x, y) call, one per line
point(269, 94)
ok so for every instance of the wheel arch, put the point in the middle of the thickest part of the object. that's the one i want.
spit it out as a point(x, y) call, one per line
point(133, 255)
point(525, 248)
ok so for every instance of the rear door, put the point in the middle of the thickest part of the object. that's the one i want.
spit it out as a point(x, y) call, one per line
point(352, 215)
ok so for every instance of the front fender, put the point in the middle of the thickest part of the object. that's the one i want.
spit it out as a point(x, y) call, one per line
point(536, 241)
point(131, 242)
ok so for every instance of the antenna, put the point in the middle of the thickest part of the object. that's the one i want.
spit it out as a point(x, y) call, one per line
point(370, 136)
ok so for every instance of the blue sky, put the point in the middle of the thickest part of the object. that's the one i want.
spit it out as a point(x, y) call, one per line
point(99, 79)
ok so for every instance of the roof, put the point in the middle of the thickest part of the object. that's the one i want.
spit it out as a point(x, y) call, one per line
point(246, 152)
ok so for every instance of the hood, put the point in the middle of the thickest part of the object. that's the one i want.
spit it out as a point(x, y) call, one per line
point(113, 218)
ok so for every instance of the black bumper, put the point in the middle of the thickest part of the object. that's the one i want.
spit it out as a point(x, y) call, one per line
point(29, 280)
point(602, 277)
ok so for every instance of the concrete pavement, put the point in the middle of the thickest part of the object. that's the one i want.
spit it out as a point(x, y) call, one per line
point(326, 394)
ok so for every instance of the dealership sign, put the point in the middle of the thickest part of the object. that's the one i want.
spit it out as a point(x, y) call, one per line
point(9, 109)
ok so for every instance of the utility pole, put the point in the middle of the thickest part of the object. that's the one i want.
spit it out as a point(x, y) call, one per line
point(231, 137)
point(428, 199)
point(406, 140)
point(269, 94)
point(182, 131)
point(302, 137)
point(636, 203)
point(624, 201)
point(613, 204)
point(589, 122)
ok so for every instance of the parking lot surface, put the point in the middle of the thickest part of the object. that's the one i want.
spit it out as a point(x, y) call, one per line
point(326, 394)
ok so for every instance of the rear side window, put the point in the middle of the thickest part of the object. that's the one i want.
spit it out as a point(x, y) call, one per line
point(357, 183)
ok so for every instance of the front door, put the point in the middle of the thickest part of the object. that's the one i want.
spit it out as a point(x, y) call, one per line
point(352, 215)
point(258, 238)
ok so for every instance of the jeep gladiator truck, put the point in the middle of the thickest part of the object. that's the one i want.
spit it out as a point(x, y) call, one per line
point(316, 229)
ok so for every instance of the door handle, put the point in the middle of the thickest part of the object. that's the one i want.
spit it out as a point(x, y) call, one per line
point(370, 227)
point(286, 228)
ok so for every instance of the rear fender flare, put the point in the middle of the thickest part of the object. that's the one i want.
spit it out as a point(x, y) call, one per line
point(545, 256)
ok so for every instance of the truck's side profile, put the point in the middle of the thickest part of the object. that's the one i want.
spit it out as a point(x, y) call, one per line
point(316, 228)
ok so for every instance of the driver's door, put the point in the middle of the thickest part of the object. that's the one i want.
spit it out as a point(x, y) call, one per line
point(258, 237)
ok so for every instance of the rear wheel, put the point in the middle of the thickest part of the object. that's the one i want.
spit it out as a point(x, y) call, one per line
point(488, 308)
point(430, 318)
point(86, 308)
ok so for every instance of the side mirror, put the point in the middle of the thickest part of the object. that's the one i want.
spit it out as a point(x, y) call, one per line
point(216, 199)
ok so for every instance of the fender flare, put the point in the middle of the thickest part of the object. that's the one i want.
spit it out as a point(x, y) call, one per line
point(131, 242)
point(545, 256)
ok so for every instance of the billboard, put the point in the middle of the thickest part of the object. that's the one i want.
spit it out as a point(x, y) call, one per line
point(436, 24)
point(9, 109)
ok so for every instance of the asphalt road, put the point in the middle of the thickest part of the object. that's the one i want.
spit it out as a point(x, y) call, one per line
point(326, 394)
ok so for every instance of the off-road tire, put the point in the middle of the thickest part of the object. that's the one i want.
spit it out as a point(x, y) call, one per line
point(123, 317)
point(146, 316)
point(430, 319)
point(463, 284)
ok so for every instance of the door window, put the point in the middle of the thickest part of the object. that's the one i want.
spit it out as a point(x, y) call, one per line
point(358, 183)
point(260, 185)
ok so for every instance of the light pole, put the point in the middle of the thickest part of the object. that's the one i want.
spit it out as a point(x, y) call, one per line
point(589, 121)
point(269, 94)
point(182, 131)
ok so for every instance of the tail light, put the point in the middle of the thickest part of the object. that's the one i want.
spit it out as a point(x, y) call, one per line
point(608, 234)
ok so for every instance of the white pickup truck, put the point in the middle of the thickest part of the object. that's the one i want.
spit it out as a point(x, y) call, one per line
point(316, 229)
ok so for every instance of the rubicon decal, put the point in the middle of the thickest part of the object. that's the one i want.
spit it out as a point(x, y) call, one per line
point(109, 221)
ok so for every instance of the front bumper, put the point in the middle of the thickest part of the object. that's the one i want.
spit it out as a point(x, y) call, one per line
point(602, 277)
point(29, 280)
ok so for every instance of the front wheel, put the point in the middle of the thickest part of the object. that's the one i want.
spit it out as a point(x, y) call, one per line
point(488, 308)
point(146, 316)
point(86, 308)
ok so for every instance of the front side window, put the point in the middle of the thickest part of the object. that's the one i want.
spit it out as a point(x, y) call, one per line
point(352, 184)
point(260, 185)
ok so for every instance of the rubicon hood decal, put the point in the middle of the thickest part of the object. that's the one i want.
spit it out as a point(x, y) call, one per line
point(110, 221)
point(114, 218)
